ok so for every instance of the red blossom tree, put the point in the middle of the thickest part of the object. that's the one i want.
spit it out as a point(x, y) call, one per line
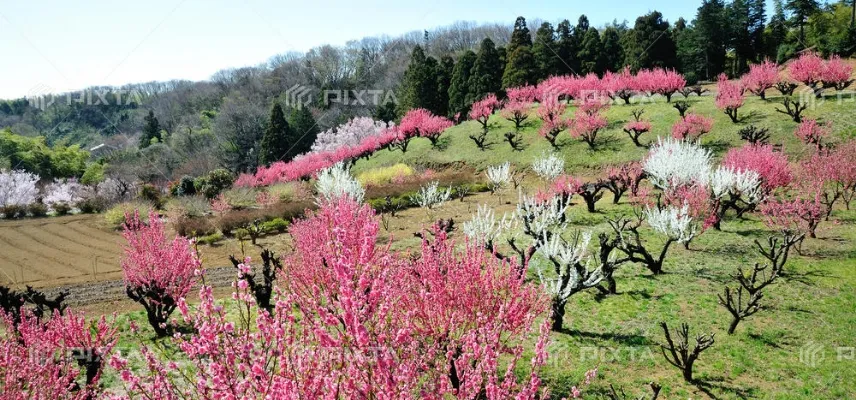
point(157, 272)
point(796, 216)
point(729, 97)
point(586, 126)
point(620, 85)
point(420, 122)
point(483, 109)
point(837, 74)
point(623, 178)
point(808, 69)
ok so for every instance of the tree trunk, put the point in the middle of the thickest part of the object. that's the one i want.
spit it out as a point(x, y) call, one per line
point(557, 314)
point(733, 326)
point(688, 372)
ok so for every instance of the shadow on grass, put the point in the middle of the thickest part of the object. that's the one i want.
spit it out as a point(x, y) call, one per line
point(753, 117)
point(708, 385)
point(608, 142)
point(717, 146)
point(625, 339)
point(806, 278)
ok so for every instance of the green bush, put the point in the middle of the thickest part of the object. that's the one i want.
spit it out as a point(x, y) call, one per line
point(93, 175)
point(151, 194)
point(38, 210)
point(214, 183)
point(92, 205)
point(185, 187)
point(210, 239)
point(13, 211)
point(61, 209)
point(278, 225)
point(115, 216)
point(193, 227)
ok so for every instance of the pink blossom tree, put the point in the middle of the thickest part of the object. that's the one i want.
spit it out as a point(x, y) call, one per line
point(157, 272)
point(771, 166)
point(621, 85)
point(623, 178)
point(797, 216)
point(637, 127)
point(353, 320)
point(692, 127)
point(729, 97)
point(516, 112)
point(59, 358)
point(349, 134)
point(586, 126)
point(552, 120)
point(420, 123)
point(808, 69)
point(483, 109)
point(837, 74)
point(760, 78)
point(813, 133)
point(17, 188)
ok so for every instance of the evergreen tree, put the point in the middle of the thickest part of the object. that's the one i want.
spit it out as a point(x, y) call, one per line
point(778, 30)
point(737, 17)
point(650, 43)
point(151, 130)
point(521, 68)
point(580, 30)
point(691, 60)
point(544, 51)
point(801, 10)
point(385, 112)
point(459, 84)
point(486, 74)
point(444, 80)
point(419, 86)
point(613, 53)
point(567, 49)
point(711, 27)
point(274, 144)
point(303, 129)
point(519, 36)
point(591, 53)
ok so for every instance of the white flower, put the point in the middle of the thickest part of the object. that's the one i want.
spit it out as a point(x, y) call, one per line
point(58, 192)
point(350, 133)
point(674, 222)
point(571, 275)
point(484, 226)
point(336, 182)
point(743, 183)
point(549, 166)
point(673, 163)
point(541, 216)
point(431, 196)
point(499, 176)
point(18, 188)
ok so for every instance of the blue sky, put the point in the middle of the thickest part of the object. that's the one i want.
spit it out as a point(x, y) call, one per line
point(60, 45)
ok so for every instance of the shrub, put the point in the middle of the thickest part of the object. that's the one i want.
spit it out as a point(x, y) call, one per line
point(240, 198)
point(38, 210)
point(193, 227)
point(278, 225)
point(185, 187)
point(151, 194)
point(210, 239)
point(93, 175)
point(384, 175)
point(214, 183)
point(92, 205)
point(115, 216)
point(13, 211)
point(61, 209)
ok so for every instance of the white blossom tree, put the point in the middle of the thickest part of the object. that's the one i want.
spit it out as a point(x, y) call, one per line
point(62, 193)
point(499, 177)
point(484, 227)
point(549, 166)
point(671, 163)
point(431, 196)
point(349, 134)
point(336, 182)
point(18, 188)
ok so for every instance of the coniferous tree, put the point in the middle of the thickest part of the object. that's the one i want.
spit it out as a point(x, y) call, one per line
point(444, 80)
point(778, 30)
point(520, 64)
point(303, 131)
point(711, 28)
point(544, 50)
point(151, 130)
point(459, 84)
point(613, 53)
point(567, 49)
point(591, 53)
point(801, 10)
point(486, 74)
point(691, 60)
point(386, 112)
point(580, 30)
point(521, 68)
point(274, 144)
point(419, 86)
